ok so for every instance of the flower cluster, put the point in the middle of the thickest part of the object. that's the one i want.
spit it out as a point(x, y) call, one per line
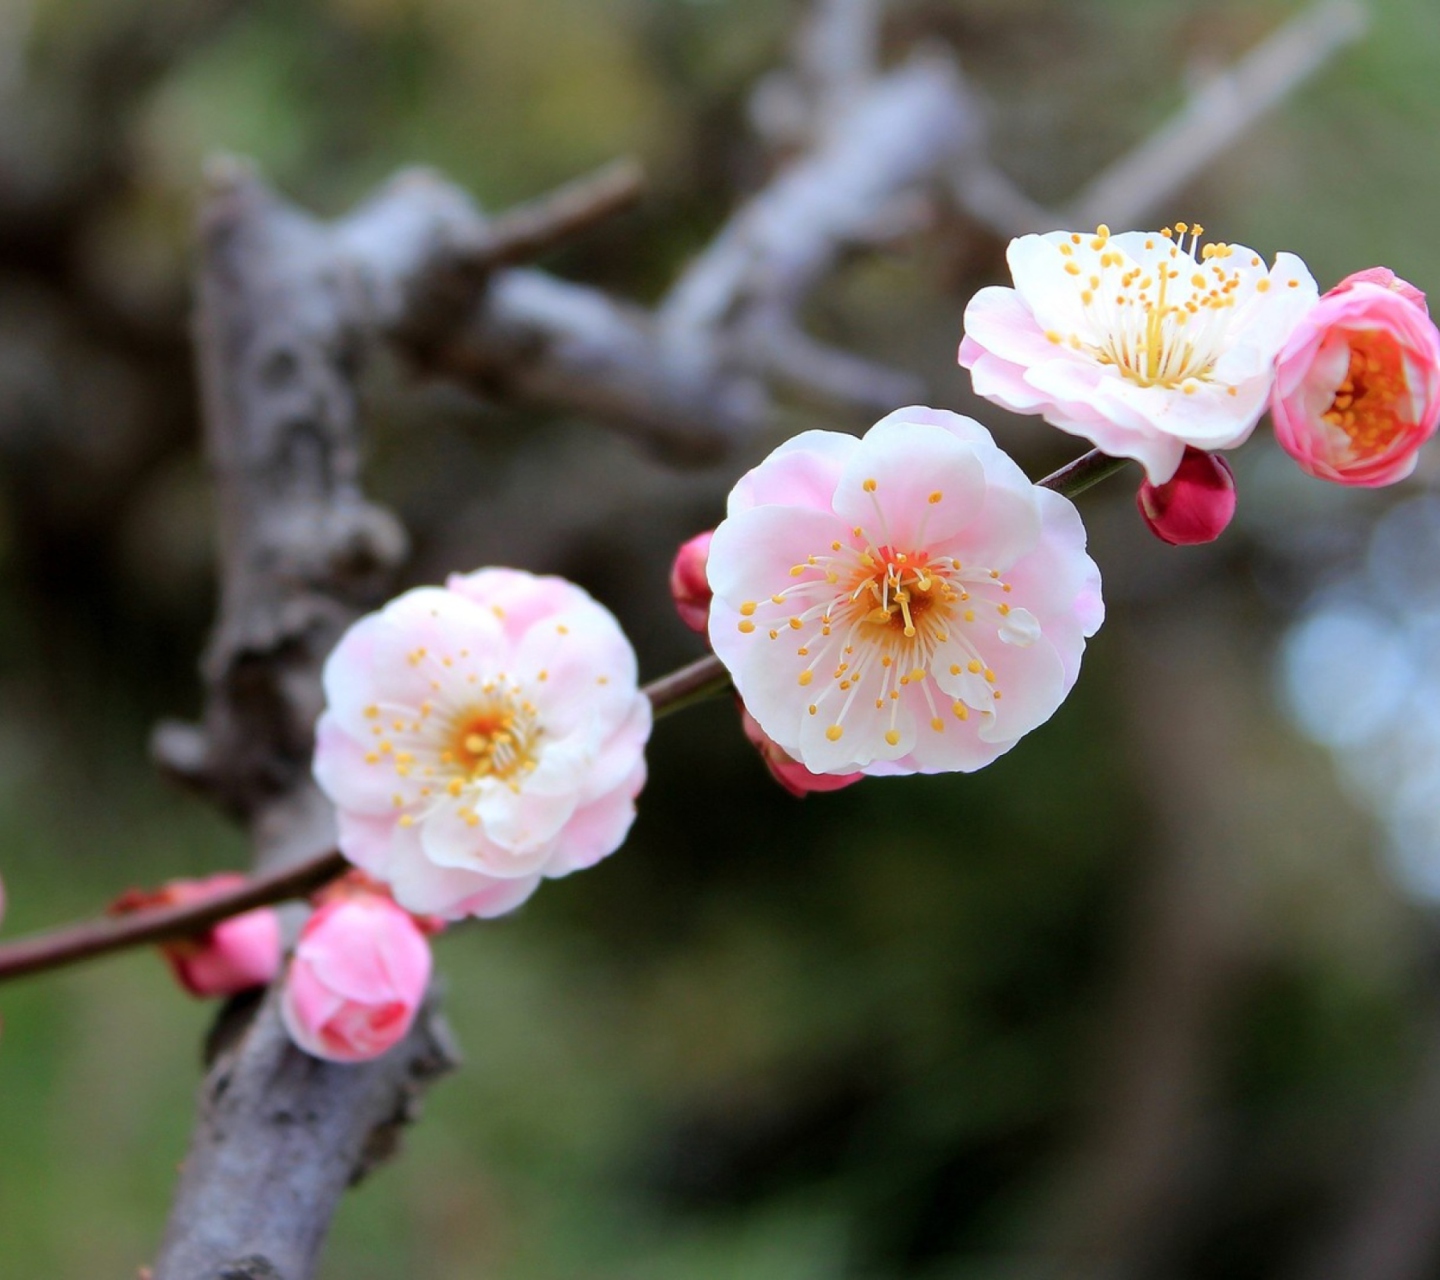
point(1164, 351)
point(480, 737)
point(904, 603)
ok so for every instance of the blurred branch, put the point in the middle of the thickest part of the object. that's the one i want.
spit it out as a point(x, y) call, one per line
point(1393, 1230)
point(281, 339)
point(90, 939)
point(1216, 115)
point(1133, 1179)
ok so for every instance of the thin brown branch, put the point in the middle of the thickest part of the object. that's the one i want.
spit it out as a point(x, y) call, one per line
point(90, 939)
point(105, 935)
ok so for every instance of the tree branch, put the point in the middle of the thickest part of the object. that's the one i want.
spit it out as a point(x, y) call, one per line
point(105, 935)
point(1216, 115)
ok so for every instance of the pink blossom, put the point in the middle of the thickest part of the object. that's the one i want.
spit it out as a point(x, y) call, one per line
point(904, 603)
point(688, 585)
point(232, 956)
point(481, 737)
point(1357, 388)
point(1135, 341)
point(785, 769)
point(358, 977)
point(1193, 506)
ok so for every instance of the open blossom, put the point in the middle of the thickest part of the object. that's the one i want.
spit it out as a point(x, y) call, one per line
point(1357, 387)
point(480, 737)
point(1138, 342)
point(229, 957)
point(903, 603)
point(359, 974)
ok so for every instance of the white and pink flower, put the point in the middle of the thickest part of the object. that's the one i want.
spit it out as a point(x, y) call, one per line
point(903, 603)
point(1137, 342)
point(1357, 388)
point(481, 737)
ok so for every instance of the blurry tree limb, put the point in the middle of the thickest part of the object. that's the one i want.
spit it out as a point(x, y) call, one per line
point(281, 338)
point(105, 935)
point(1216, 115)
point(1125, 1194)
point(1393, 1229)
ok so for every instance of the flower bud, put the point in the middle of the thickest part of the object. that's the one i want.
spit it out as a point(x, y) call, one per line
point(1194, 505)
point(231, 956)
point(358, 977)
point(785, 769)
point(1357, 385)
point(689, 585)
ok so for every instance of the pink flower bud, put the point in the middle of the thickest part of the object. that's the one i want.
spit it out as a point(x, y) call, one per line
point(788, 771)
point(229, 957)
point(689, 585)
point(1194, 506)
point(358, 976)
point(1357, 386)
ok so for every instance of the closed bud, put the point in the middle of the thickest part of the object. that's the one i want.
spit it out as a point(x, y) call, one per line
point(788, 771)
point(1194, 505)
point(358, 977)
point(689, 585)
point(229, 957)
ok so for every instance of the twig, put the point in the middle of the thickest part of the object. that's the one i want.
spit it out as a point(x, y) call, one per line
point(1216, 115)
point(57, 948)
point(529, 230)
point(1086, 471)
point(90, 939)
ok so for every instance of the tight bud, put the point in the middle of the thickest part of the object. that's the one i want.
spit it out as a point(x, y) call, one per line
point(358, 976)
point(788, 771)
point(688, 584)
point(229, 957)
point(1194, 505)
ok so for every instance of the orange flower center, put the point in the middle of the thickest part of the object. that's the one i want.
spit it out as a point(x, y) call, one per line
point(1369, 404)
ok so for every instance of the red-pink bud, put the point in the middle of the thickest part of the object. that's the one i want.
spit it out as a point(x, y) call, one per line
point(1194, 505)
point(358, 977)
point(788, 771)
point(689, 585)
point(229, 957)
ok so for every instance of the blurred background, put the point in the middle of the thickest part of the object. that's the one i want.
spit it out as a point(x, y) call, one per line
point(1153, 996)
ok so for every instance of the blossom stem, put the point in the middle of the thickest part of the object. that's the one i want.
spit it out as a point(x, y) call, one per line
point(1089, 469)
point(70, 944)
point(701, 680)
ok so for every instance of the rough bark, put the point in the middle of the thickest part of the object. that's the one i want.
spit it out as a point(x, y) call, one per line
point(281, 336)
